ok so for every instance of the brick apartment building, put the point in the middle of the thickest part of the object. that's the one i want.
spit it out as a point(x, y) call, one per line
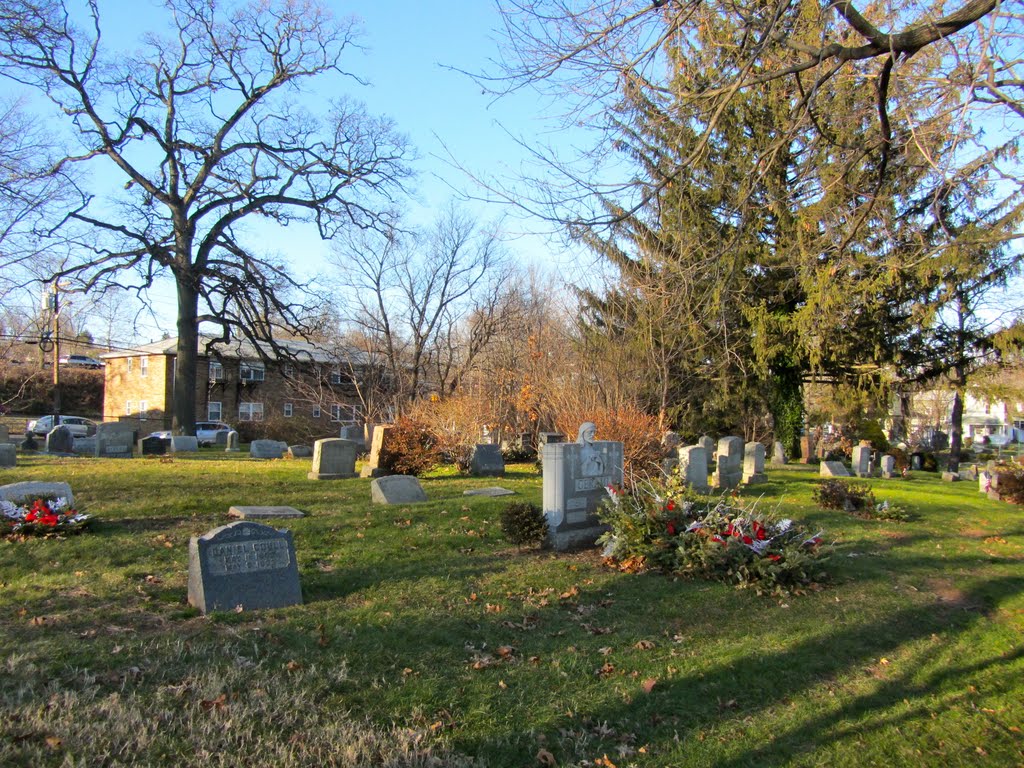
point(234, 384)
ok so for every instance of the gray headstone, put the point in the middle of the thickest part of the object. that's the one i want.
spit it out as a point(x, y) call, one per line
point(708, 444)
point(984, 481)
point(152, 445)
point(380, 437)
point(300, 451)
point(5, 435)
point(862, 460)
point(753, 464)
point(60, 440)
point(396, 489)
point(245, 565)
point(184, 444)
point(8, 455)
point(670, 442)
point(493, 492)
point(266, 449)
point(231, 442)
point(355, 434)
point(693, 467)
point(951, 477)
point(917, 461)
point(220, 437)
point(30, 443)
point(547, 438)
point(86, 446)
point(970, 473)
point(263, 513)
point(833, 469)
point(576, 476)
point(114, 440)
point(487, 461)
point(729, 460)
point(31, 490)
point(334, 458)
point(888, 466)
point(778, 454)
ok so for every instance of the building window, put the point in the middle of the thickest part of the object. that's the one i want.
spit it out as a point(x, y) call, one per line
point(346, 414)
point(143, 408)
point(251, 371)
point(129, 364)
point(216, 371)
point(289, 369)
point(250, 411)
point(214, 410)
point(287, 410)
point(316, 411)
point(129, 408)
point(143, 366)
point(335, 376)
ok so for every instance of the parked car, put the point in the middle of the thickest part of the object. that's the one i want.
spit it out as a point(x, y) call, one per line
point(80, 361)
point(206, 432)
point(79, 425)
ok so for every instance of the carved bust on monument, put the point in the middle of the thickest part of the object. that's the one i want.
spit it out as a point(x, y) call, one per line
point(591, 460)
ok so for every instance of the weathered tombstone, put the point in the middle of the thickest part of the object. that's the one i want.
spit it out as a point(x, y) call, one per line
point(30, 443)
point(86, 446)
point(576, 476)
point(354, 434)
point(152, 446)
point(753, 464)
point(300, 451)
point(888, 466)
point(60, 440)
point(993, 487)
point(670, 442)
point(380, 438)
point(266, 449)
point(263, 513)
point(950, 477)
point(708, 444)
point(334, 458)
point(220, 437)
point(806, 448)
point(396, 489)
point(184, 444)
point(984, 481)
point(778, 454)
point(31, 490)
point(243, 565)
point(729, 460)
point(487, 461)
point(968, 473)
point(492, 492)
point(917, 461)
point(114, 440)
point(8, 455)
point(545, 438)
point(5, 435)
point(231, 442)
point(861, 460)
point(693, 467)
point(833, 469)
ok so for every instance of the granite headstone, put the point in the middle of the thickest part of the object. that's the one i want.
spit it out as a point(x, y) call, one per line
point(267, 449)
point(152, 446)
point(114, 440)
point(861, 460)
point(334, 458)
point(693, 467)
point(753, 464)
point(888, 466)
point(833, 469)
point(8, 455)
point(184, 444)
point(487, 461)
point(396, 489)
point(60, 440)
point(231, 442)
point(729, 461)
point(30, 490)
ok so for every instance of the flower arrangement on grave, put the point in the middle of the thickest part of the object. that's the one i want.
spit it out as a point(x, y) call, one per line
point(43, 517)
point(721, 540)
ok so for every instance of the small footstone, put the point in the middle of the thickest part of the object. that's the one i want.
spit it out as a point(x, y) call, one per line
point(396, 489)
point(489, 492)
point(262, 513)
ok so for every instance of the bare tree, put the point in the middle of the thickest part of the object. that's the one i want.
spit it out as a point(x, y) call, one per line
point(426, 302)
point(200, 128)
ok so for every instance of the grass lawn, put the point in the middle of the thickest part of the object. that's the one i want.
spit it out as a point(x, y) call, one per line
point(426, 639)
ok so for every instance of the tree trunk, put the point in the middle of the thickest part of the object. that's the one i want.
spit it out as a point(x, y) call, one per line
point(183, 420)
point(956, 419)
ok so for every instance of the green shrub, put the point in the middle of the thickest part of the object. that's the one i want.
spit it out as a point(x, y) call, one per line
point(524, 523)
point(871, 430)
point(411, 449)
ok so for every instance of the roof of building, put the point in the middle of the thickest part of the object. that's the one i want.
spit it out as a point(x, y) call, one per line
point(243, 349)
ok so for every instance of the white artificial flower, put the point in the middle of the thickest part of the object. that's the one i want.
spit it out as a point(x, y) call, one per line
point(10, 509)
point(784, 525)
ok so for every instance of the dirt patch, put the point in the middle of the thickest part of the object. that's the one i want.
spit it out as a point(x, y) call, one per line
point(952, 597)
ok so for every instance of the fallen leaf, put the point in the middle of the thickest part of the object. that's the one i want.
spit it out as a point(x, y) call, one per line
point(644, 645)
point(606, 669)
point(501, 684)
point(493, 608)
point(649, 684)
point(53, 742)
point(37, 621)
point(291, 666)
point(220, 702)
point(569, 593)
point(545, 758)
point(506, 651)
point(605, 651)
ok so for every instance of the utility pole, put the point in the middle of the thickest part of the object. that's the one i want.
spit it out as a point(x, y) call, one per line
point(55, 309)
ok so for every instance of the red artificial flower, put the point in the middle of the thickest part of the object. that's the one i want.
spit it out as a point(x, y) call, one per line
point(729, 530)
point(718, 538)
point(775, 558)
point(50, 519)
point(671, 528)
point(671, 505)
point(747, 540)
point(31, 516)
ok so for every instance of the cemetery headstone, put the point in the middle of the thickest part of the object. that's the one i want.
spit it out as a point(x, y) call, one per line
point(917, 461)
point(220, 437)
point(334, 458)
point(729, 460)
point(86, 446)
point(993, 487)
point(492, 492)
point(888, 466)
point(545, 438)
point(487, 461)
point(708, 444)
point(8, 455)
point(263, 513)
point(5, 434)
point(266, 449)
point(950, 477)
point(355, 434)
point(380, 437)
point(30, 490)
point(231, 442)
point(300, 451)
point(60, 440)
point(753, 464)
point(968, 473)
point(984, 481)
point(152, 446)
point(778, 454)
point(243, 564)
point(576, 476)
point(184, 444)
point(693, 467)
point(396, 489)
point(29, 443)
point(833, 469)
point(861, 461)
point(114, 440)
point(807, 444)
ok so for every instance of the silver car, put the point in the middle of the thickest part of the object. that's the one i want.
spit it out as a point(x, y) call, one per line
point(79, 425)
